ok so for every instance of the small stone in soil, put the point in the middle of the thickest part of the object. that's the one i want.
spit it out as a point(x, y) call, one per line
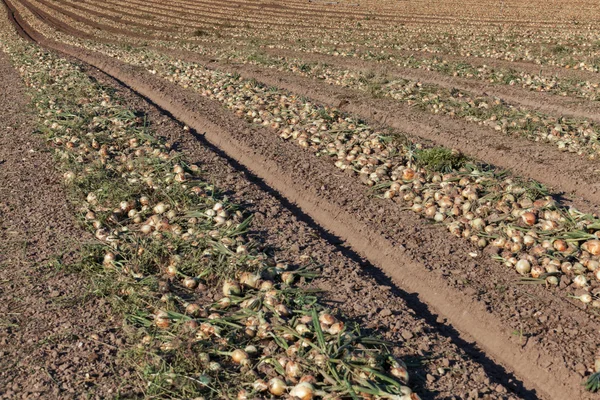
point(386, 312)
point(407, 335)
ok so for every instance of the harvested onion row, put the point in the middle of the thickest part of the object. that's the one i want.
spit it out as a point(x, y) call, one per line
point(576, 136)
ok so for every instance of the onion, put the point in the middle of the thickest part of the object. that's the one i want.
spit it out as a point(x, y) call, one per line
point(276, 386)
point(585, 298)
point(160, 208)
point(266, 285)
point(302, 329)
point(292, 369)
point(231, 287)
point(303, 390)
point(238, 356)
point(408, 174)
point(282, 310)
point(250, 279)
point(536, 271)
point(109, 258)
point(287, 278)
point(171, 270)
point(260, 385)
point(327, 319)
point(552, 280)
point(560, 245)
point(192, 309)
point(336, 328)
point(523, 266)
point(580, 281)
point(400, 372)
point(592, 247)
point(224, 302)
point(190, 282)
point(162, 321)
point(214, 366)
point(528, 218)
point(528, 240)
point(69, 176)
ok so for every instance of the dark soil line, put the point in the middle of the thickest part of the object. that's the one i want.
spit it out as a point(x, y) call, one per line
point(526, 66)
point(543, 102)
point(288, 10)
point(209, 15)
point(66, 28)
point(570, 173)
point(102, 15)
point(288, 175)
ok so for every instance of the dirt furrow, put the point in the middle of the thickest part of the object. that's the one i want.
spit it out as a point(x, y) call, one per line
point(66, 28)
point(529, 67)
point(373, 229)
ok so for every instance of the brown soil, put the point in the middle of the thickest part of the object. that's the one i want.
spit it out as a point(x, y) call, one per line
point(477, 296)
point(47, 316)
point(529, 330)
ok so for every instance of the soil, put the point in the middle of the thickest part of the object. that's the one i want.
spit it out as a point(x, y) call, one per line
point(368, 245)
point(463, 290)
point(47, 317)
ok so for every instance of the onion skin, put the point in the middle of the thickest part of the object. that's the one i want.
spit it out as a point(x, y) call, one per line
point(277, 387)
point(592, 247)
point(523, 267)
point(303, 390)
point(238, 356)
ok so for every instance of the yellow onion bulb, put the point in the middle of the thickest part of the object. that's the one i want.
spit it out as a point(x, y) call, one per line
point(523, 267)
point(239, 356)
point(303, 390)
point(276, 387)
point(592, 247)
